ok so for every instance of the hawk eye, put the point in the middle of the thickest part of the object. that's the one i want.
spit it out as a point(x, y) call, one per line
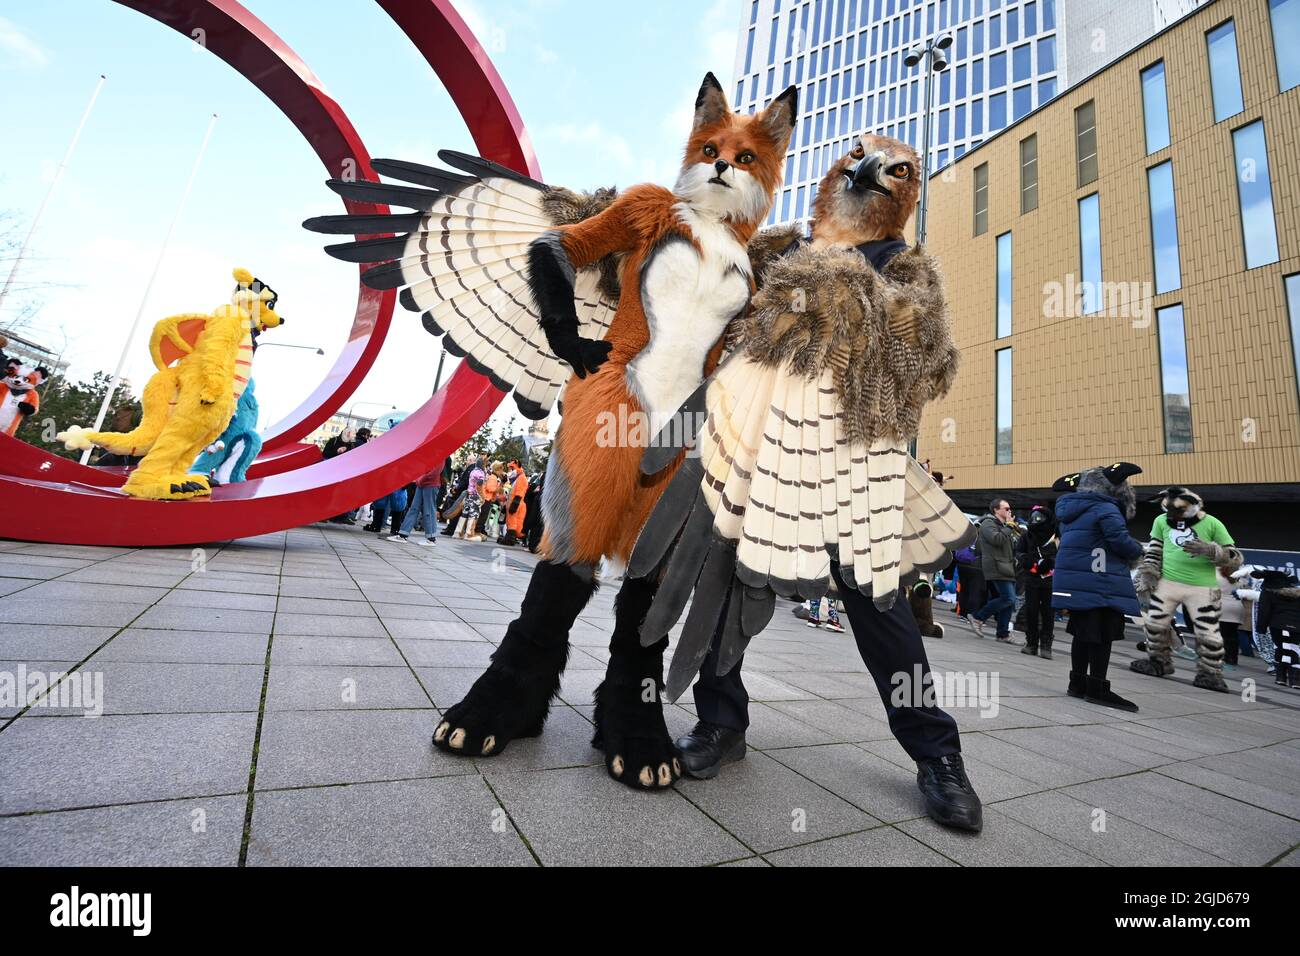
point(900, 170)
point(858, 152)
point(710, 151)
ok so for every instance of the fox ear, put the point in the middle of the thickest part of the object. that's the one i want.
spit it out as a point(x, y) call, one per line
point(710, 103)
point(778, 118)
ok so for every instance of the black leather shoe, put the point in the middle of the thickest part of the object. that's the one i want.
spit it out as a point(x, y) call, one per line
point(706, 748)
point(949, 798)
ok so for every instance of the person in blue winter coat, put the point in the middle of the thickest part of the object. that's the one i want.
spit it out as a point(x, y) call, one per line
point(1091, 578)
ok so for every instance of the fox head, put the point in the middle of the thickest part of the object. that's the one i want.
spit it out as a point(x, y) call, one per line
point(21, 378)
point(869, 193)
point(257, 299)
point(732, 164)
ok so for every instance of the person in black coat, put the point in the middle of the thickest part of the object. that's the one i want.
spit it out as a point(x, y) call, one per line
point(534, 524)
point(1091, 578)
point(1035, 559)
point(1279, 614)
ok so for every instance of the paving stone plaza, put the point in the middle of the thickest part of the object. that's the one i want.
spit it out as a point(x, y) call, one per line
point(269, 701)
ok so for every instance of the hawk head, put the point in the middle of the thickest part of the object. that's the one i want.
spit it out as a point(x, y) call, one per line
point(868, 194)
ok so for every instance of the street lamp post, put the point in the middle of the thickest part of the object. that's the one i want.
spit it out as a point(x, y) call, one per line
point(936, 61)
point(285, 345)
point(437, 378)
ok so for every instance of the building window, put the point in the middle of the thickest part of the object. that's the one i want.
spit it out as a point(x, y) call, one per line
point(1155, 107)
point(1028, 174)
point(1090, 253)
point(1002, 438)
point(1293, 310)
point(1164, 227)
point(1286, 36)
point(997, 112)
point(1085, 142)
point(1046, 55)
point(1225, 74)
point(981, 199)
point(1255, 193)
point(1176, 396)
point(1022, 101)
point(1004, 285)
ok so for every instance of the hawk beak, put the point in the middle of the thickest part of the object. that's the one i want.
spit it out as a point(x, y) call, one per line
point(865, 174)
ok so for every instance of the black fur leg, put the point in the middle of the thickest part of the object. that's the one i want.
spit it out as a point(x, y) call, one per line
point(630, 727)
point(512, 697)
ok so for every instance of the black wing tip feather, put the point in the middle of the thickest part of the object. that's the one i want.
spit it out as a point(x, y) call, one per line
point(431, 324)
point(478, 166)
point(385, 276)
point(449, 344)
point(885, 601)
point(366, 251)
point(497, 381)
point(812, 588)
point(407, 298)
point(443, 180)
point(530, 409)
point(363, 190)
point(758, 579)
point(349, 224)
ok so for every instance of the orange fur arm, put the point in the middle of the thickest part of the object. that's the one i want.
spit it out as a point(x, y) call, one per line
point(620, 227)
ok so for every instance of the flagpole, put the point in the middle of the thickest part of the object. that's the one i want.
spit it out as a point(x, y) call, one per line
point(144, 299)
point(58, 175)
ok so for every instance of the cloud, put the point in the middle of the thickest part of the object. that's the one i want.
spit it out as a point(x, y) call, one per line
point(545, 55)
point(18, 49)
point(610, 145)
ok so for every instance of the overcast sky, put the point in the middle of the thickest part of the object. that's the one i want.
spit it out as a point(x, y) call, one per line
point(605, 91)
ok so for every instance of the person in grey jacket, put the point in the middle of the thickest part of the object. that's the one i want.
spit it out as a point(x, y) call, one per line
point(997, 546)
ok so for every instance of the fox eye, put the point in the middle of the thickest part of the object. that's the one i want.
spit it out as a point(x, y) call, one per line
point(745, 158)
point(710, 151)
point(858, 152)
point(900, 170)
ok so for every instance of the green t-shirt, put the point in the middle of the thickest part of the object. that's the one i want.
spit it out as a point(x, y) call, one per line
point(1177, 564)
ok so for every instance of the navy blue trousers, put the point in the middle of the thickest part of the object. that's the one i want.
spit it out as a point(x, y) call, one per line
point(889, 643)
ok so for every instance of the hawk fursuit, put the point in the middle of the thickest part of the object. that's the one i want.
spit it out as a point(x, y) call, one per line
point(800, 436)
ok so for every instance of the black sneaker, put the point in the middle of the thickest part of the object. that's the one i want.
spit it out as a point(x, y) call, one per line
point(949, 798)
point(706, 748)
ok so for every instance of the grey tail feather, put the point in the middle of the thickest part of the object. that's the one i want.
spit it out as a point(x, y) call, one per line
point(755, 611)
point(703, 620)
point(679, 433)
point(759, 603)
point(669, 516)
point(688, 557)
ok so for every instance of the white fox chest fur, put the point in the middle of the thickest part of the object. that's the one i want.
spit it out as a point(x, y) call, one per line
point(688, 296)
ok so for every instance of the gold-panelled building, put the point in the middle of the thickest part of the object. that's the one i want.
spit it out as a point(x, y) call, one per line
point(1123, 268)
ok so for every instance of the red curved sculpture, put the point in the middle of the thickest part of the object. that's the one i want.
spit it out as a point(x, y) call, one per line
point(46, 498)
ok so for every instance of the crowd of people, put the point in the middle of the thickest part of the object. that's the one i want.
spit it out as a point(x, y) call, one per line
point(1075, 562)
point(480, 501)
